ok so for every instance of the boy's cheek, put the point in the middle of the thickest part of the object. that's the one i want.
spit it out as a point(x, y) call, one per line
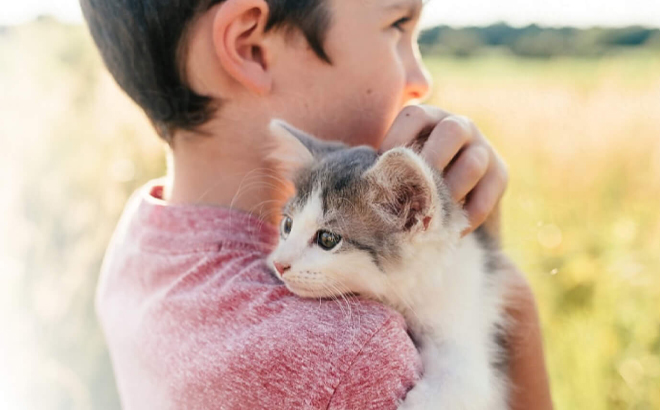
point(362, 117)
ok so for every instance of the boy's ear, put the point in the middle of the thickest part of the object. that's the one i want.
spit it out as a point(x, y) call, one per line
point(238, 39)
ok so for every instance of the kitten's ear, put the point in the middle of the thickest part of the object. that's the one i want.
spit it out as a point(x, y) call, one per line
point(292, 149)
point(403, 189)
point(285, 150)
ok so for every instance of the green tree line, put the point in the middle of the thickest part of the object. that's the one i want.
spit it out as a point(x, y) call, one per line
point(530, 41)
point(536, 41)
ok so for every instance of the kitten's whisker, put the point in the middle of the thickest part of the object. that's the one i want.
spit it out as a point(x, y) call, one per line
point(222, 180)
point(342, 289)
point(350, 308)
point(334, 291)
point(244, 188)
point(255, 173)
point(332, 295)
point(350, 296)
point(247, 184)
point(348, 305)
point(347, 295)
point(263, 216)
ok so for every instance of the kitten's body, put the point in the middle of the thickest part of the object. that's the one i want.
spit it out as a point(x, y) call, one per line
point(453, 306)
point(396, 238)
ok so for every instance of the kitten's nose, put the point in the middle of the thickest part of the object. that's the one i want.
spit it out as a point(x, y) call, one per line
point(281, 268)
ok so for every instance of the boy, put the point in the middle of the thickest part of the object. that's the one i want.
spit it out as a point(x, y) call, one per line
point(192, 316)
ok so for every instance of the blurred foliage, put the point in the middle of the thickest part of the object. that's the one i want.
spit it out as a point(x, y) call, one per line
point(536, 41)
point(581, 137)
point(73, 149)
point(582, 214)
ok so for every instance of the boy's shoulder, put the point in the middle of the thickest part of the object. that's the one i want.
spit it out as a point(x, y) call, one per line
point(195, 322)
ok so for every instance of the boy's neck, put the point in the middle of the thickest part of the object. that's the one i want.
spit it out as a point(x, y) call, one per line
point(226, 169)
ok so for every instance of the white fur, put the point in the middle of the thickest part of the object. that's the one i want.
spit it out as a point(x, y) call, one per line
point(440, 286)
point(445, 299)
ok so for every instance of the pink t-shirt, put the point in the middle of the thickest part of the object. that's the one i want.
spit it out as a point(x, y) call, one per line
point(194, 320)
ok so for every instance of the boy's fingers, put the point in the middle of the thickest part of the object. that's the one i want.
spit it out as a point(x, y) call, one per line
point(446, 140)
point(412, 121)
point(485, 196)
point(467, 171)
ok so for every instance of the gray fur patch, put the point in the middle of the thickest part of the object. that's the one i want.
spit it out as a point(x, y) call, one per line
point(492, 249)
point(501, 361)
point(338, 176)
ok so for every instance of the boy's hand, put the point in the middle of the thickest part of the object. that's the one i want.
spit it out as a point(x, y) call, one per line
point(474, 172)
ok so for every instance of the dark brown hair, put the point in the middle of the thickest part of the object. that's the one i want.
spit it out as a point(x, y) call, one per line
point(141, 42)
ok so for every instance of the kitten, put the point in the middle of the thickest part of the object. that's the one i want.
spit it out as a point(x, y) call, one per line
point(385, 227)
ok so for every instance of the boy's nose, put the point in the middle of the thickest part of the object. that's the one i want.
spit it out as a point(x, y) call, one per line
point(281, 268)
point(418, 83)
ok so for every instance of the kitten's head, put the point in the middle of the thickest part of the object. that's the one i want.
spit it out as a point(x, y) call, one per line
point(355, 215)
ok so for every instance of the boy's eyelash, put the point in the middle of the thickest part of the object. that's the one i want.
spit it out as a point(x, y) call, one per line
point(400, 22)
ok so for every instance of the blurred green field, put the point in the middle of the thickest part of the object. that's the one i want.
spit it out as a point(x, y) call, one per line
point(582, 215)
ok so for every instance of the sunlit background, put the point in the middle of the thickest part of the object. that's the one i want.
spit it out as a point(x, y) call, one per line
point(580, 13)
point(574, 110)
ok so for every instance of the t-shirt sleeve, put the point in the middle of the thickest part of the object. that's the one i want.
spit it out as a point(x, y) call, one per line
point(382, 373)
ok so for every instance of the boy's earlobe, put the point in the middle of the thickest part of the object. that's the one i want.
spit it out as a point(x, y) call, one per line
point(238, 40)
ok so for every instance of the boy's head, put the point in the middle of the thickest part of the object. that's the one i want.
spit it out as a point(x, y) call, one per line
point(337, 68)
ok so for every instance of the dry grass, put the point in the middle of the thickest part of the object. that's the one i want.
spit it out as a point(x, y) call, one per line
point(582, 216)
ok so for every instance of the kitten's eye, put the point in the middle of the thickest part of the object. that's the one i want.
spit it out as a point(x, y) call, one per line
point(285, 229)
point(327, 240)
